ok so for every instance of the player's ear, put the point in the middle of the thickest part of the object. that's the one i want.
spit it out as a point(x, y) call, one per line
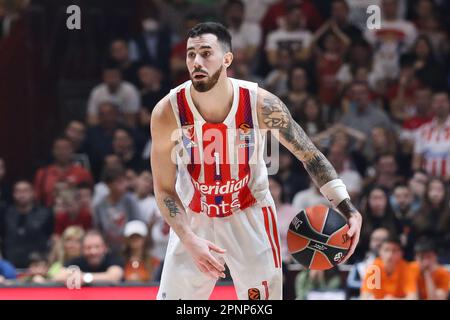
point(228, 59)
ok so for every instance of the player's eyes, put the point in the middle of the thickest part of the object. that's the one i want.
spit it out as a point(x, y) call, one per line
point(206, 54)
point(191, 54)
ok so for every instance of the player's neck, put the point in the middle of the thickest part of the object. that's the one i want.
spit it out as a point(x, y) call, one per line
point(215, 104)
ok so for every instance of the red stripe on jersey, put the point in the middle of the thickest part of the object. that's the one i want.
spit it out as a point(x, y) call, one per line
point(244, 121)
point(275, 234)
point(443, 168)
point(187, 119)
point(184, 111)
point(266, 288)
point(266, 224)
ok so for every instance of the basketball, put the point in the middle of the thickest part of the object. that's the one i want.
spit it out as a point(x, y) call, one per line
point(317, 237)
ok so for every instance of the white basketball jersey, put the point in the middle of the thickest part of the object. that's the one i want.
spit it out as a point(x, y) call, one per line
point(221, 166)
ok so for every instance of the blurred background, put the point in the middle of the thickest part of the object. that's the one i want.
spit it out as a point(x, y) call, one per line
point(75, 180)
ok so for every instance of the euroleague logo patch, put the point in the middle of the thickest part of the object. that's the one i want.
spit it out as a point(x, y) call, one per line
point(254, 294)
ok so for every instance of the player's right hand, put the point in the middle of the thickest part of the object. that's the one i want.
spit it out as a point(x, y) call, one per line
point(200, 250)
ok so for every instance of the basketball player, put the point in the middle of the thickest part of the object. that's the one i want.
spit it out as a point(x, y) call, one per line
point(218, 203)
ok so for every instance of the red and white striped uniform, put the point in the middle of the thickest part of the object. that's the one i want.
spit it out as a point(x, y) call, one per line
point(222, 181)
point(433, 143)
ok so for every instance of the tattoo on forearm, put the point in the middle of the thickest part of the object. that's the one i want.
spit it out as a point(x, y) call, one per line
point(172, 206)
point(320, 169)
point(346, 207)
point(276, 115)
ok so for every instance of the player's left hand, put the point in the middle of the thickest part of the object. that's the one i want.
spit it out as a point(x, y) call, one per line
point(355, 223)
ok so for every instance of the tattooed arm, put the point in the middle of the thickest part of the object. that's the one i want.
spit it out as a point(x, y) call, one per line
point(274, 115)
point(163, 125)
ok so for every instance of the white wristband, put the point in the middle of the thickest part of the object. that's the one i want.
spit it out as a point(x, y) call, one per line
point(335, 191)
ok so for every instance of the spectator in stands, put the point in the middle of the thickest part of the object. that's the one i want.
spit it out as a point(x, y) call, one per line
point(100, 137)
point(76, 133)
point(418, 185)
point(116, 209)
point(67, 248)
point(73, 213)
point(310, 116)
point(363, 114)
point(431, 23)
point(241, 69)
point(292, 36)
point(173, 12)
point(432, 150)
point(37, 270)
point(285, 213)
point(5, 192)
point(27, 227)
point(7, 271)
point(85, 196)
point(117, 91)
point(96, 264)
point(389, 277)
point(377, 214)
point(404, 208)
point(419, 114)
point(309, 197)
point(124, 146)
point(63, 169)
point(427, 68)
point(348, 139)
point(339, 17)
point(277, 79)
point(341, 161)
point(138, 264)
point(298, 86)
point(276, 14)
point(294, 180)
point(400, 94)
point(358, 270)
point(316, 280)
point(433, 218)
point(383, 142)
point(385, 172)
point(144, 194)
point(433, 280)
point(101, 189)
point(329, 46)
point(152, 45)
point(153, 88)
point(120, 55)
point(132, 177)
point(395, 37)
point(245, 36)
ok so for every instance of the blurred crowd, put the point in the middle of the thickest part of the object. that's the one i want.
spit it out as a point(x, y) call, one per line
point(376, 102)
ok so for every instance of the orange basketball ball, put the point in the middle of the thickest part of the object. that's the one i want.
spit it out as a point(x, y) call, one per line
point(317, 237)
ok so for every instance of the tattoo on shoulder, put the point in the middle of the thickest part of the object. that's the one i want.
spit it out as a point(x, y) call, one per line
point(275, 115)
point(172, 206)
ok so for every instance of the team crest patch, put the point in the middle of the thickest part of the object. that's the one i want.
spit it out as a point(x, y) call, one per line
point(188, 131)
point(254, 294)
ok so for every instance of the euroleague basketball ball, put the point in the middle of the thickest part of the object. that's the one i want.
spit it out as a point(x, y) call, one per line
point(317, 237)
